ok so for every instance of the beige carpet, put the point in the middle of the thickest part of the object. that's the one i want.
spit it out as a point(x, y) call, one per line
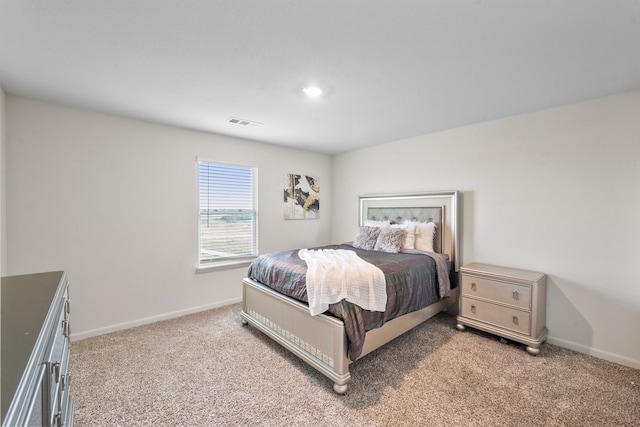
point(207, 369)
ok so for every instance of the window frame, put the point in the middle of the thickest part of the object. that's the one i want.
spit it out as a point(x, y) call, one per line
point(237, 260)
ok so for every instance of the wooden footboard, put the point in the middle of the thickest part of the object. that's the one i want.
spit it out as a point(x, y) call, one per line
point(320, 340)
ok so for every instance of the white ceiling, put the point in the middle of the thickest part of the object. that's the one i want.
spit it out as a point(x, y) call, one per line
point(390, 69)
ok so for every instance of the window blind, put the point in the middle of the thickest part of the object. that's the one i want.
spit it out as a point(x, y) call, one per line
point(227, 212)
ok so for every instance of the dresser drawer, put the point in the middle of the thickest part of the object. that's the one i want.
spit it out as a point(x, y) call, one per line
point(55, 361)
point(495, 290)
point(34, 413)
point(67, 409)
point(498, 315)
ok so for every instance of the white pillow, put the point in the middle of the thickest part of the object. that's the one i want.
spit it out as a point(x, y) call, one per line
point(425, 233)
point(410, 238)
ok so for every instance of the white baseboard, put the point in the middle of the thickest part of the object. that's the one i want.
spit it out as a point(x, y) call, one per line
point(152, 319)
point(612, 357)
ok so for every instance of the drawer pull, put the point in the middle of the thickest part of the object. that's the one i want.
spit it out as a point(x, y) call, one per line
point(515, 320)
point(55, 369)
point(516, 295)
point(65, 380)
point(65, 328)
point(473, 286)
point(473, 308)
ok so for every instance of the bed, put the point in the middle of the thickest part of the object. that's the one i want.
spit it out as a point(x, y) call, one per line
point(329, 342)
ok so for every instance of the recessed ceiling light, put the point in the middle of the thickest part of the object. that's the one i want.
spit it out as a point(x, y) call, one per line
point(312, 91)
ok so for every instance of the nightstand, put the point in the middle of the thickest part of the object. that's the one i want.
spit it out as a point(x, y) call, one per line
point(504, 301)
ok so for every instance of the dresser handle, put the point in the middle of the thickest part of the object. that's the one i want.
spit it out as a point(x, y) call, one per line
point(65, 328)
point(65, 380)
point(473, 308)
point(516, 295)
point(515, 320)
point(473, 286)
point(55, 368)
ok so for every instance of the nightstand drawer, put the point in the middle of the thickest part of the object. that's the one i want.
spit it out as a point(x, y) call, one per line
point(497, 315)
point(506, 293)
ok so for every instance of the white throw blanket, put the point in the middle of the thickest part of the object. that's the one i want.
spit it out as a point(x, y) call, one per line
point(337, 274)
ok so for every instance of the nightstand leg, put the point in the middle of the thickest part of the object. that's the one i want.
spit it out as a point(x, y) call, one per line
point(460, 327)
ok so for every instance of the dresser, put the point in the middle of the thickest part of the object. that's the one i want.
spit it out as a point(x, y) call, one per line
point(504, 301)
point(34, 350)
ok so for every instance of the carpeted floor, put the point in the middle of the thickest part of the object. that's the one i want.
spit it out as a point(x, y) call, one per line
point(206, 369)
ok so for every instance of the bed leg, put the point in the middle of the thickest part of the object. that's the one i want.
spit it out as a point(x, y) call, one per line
point(533, 350)
point(340, 388)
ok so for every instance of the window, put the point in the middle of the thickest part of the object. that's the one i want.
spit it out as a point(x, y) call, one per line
point(228, 216)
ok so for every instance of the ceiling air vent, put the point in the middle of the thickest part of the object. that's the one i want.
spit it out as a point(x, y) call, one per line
point(243, 122)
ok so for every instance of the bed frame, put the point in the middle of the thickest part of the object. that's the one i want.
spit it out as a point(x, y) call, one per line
point(321, 340)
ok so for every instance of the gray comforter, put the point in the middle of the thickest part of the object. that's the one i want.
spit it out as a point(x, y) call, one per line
point(412, 282)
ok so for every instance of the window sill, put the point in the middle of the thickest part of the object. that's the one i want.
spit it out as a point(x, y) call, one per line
point(223, 265)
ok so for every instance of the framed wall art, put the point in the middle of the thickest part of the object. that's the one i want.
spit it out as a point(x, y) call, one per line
point(301, 197)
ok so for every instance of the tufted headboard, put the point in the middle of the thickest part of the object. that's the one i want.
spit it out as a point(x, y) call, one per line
point(438, 207)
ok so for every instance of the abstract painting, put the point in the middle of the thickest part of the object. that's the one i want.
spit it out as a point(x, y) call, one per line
point(301, 197)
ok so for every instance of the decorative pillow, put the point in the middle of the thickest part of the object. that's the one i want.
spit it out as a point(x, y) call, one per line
point(410, 239)
point(391, 239)
point(425, 232)
point(366, 237)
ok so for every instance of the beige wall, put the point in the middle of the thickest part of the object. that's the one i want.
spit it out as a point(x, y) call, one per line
point(113, 202)
point(556, 191)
